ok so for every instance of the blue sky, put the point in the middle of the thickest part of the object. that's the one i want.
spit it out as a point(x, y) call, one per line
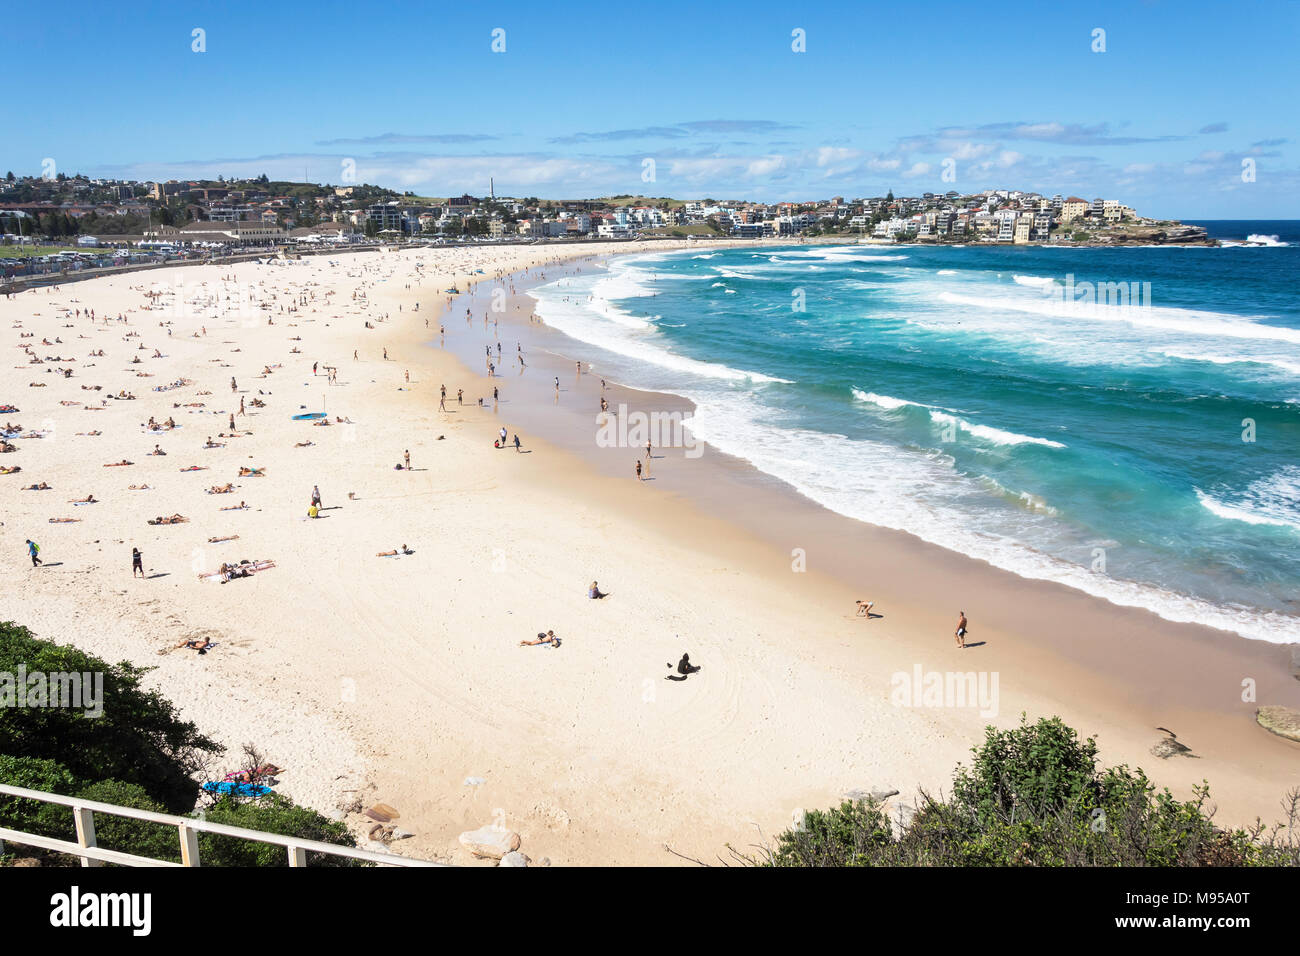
point(1001, 94)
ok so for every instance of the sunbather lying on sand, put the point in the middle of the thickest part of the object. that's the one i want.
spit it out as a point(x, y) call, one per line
point(174, 519)
point(225, 489)
point(119, 464)
point(244, 569)
point(200, 644)
point(10, 471)
point(138, 488)
point(246, 472)
point(196, 468)
point(547, 638)
point(88, 500)
point(390, 554)
point(41, 487)
point(63, 520)
point(229, 537)
point(239, 507)
point(303, 444)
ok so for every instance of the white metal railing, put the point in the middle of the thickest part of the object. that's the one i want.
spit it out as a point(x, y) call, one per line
point(188, 830)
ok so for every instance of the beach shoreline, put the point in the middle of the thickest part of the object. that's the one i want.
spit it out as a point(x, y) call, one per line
point(792, 707)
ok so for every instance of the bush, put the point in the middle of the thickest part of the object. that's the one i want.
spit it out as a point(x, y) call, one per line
point(33, 773)
point(271, 814)
point(157, 841)
point(1033, 796)
point(137, 754)
point(139, 837)
point(138, 739)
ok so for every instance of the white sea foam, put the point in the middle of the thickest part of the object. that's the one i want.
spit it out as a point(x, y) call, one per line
point(577, 318)
point(1271, 500)
point(923, 494)
point(1035, 281)
point(988, 433)
point(1274, 361)
point(886, 401)
point(1188, 321)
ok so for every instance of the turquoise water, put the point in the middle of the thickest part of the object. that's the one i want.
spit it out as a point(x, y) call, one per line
point(1145, 450)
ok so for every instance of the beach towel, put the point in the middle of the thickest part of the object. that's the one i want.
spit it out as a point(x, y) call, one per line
point(239, 789)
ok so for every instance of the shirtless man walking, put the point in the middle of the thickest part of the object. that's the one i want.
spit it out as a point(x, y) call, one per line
point(960, 633)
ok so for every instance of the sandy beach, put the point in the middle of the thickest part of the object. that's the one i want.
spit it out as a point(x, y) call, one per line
point(399, 677)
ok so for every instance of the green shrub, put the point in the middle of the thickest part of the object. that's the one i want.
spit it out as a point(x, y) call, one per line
point(271, 814)
point(158, 841)
point(138, 739)
point(34, 773)
point(1033, 796)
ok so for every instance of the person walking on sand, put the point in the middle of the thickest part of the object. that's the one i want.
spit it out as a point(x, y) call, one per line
point(137, 562)
point(315, 495)
point(516, 443)
point(33, 549)
point(503, 436)
point(407, 456)
point(960, 633)
point(638, 469)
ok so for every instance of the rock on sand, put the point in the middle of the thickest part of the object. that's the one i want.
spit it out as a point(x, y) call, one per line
point(490, 842)
point(1283, 721)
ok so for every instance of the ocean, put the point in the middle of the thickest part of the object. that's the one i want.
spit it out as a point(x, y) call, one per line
point(1123, 421)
